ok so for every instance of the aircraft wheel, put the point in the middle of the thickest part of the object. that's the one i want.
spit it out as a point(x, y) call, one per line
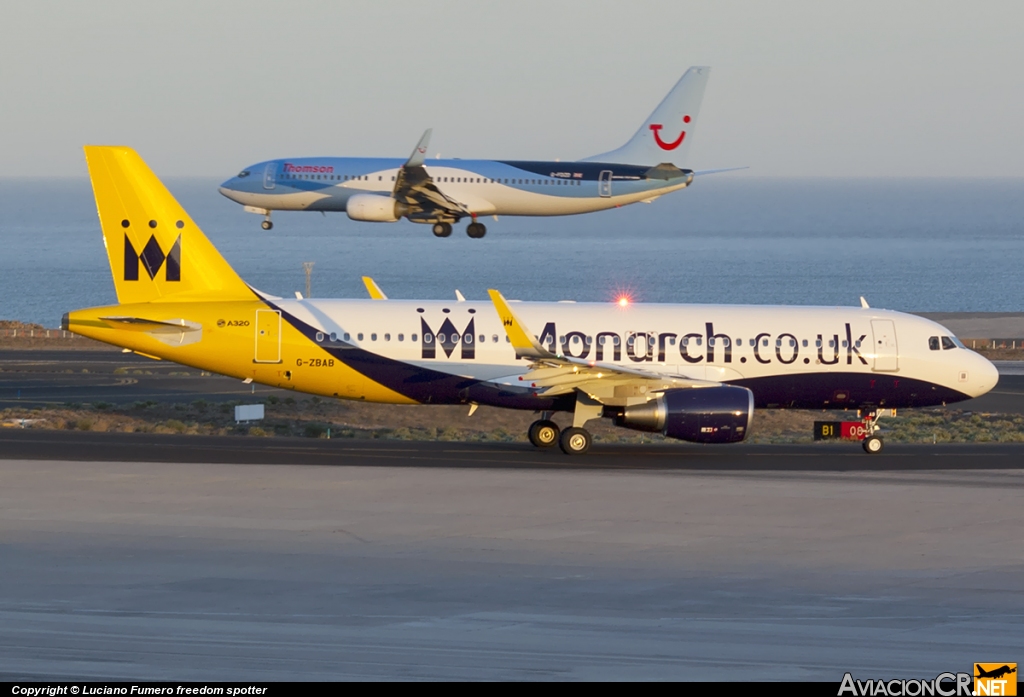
point(267, 225)
point(574, 441)
point(476, 230)
point(543, 433)
point(442, 229)
point(873, 445)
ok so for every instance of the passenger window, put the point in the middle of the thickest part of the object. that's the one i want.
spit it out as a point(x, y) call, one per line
point(947, 343)
point(817, 342)
point(319, 337)
point(494, 338)
point(725, 342)
point(711, 342)
point(373, 337)
point(576, 339)
point(671, 341)
point(401, 337)
point(684, 341)
point(412, 337)
point(348, 336)
point(467, 339)
point(699, 341)
point(805, 343)
point(482, 338)
point(616, 341)
point(359, 336)
point(831, 343)
point(764, 342)
point(387, 337)
point(587, 340)
point(428, 338)
point(334, 337)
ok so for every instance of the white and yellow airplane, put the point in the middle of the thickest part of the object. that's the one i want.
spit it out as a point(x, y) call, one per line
point(691, 372)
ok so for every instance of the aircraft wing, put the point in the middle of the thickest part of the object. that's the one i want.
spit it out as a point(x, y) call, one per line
point(416, 189)
point(557, 374)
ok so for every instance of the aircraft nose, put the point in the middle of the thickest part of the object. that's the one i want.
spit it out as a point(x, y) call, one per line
point(983, 376)
point(228, 188)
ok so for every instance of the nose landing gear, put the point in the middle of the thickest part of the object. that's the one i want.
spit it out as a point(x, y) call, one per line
point(873, 444)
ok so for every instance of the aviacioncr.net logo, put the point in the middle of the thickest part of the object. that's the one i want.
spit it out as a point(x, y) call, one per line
point(943, 685)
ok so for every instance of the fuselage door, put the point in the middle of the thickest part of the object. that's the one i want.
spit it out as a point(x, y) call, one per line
point(604, 184)
point(270, 176)
point(268, 336)
point(886, 352)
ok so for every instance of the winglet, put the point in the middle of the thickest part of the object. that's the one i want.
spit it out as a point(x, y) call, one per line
point(864, 303)
point(420, 153)
point(373, 289)
point(525, 344)
point(459, 296)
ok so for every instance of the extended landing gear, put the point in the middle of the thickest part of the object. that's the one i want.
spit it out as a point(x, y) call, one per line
point(544, 433)
point(442, 229)
point(267, 224)
point(872, 443)
point(476, 230)
point(575, 441)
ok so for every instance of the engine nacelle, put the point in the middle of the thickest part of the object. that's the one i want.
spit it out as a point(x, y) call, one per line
point(720, 414)
point(372, 208)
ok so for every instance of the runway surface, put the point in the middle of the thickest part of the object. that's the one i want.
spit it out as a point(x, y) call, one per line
point(175, 558)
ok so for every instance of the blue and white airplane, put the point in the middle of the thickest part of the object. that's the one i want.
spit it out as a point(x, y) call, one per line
point(442, 192)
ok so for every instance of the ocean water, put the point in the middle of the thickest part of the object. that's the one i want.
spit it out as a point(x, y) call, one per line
point(915, 245)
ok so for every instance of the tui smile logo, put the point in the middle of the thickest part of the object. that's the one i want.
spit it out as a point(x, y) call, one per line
point(151, 259)
point(656, 127)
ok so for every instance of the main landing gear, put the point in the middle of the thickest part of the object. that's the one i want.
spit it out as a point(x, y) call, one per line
point(476, 230)
point(442, 229)
point(544, 433)
point(574, 440)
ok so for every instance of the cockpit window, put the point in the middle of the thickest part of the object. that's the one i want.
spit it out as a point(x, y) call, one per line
point(243, 174)
point(933, 343)
point(947, 343)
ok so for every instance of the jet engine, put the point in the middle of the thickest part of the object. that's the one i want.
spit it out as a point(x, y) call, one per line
point(720, 414)
point(372, 208)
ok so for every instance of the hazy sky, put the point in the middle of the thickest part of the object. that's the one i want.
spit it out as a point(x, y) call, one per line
point(797, 88)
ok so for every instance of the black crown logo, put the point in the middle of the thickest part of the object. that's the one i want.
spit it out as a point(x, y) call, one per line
point(152, 258)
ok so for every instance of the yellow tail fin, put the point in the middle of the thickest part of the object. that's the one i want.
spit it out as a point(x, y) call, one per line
point(155, 250)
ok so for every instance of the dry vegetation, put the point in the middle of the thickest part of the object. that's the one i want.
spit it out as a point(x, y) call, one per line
point(316, 418)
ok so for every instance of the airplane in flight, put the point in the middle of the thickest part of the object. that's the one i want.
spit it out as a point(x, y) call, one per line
point(691, 372)
point(441, 192)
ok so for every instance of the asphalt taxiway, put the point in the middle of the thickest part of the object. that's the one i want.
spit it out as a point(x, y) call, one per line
point(192, 558)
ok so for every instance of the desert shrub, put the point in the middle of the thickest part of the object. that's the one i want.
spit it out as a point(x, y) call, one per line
point(175, 425)
point(257, 431)
point(120, 371)
point(271, 399)
point(84, 424)
point(102, 406)
point(200, 405)
point(315, 430)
